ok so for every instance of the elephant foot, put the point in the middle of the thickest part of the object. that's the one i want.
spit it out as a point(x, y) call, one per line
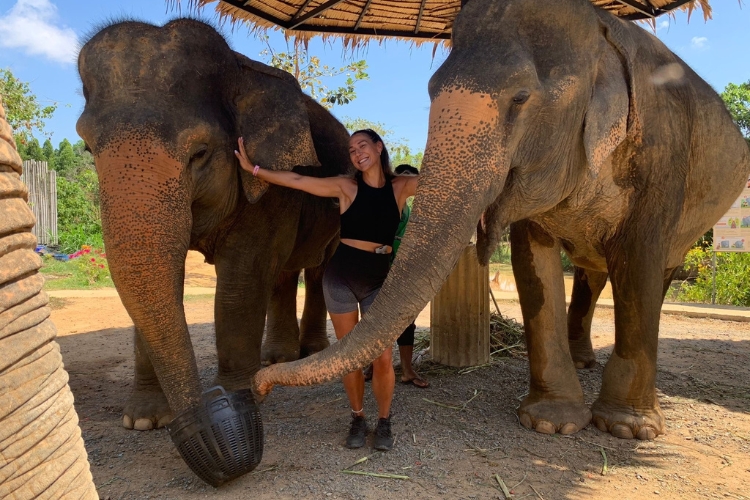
point(311, 346)
point(236, 381)
point(582, 354)
point(550, 417)
point(278, 353)
point(627, 422)
point(146, 410)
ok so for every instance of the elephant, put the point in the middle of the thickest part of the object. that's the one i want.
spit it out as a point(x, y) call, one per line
point(164, 108)
point(41, 448)
point(582, 132)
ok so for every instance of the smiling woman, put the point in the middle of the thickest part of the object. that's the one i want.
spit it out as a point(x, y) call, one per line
point(370, 206)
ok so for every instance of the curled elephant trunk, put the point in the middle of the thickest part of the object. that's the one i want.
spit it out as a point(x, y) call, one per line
point(41, 449)
point(442, 222)
point(146, 220)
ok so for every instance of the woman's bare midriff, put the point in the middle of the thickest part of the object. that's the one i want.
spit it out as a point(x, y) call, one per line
point(367, 246)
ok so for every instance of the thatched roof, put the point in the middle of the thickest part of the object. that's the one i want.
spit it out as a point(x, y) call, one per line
point(415, 20)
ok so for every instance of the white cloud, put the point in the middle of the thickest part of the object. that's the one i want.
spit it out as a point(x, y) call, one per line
point(663, 25)
point(699, 42)
point(33, 26)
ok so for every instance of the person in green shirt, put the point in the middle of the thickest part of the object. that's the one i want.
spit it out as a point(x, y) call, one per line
point(406, 340)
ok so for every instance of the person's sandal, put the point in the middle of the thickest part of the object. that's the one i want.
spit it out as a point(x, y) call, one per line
point(357, 432)
point(383, 437)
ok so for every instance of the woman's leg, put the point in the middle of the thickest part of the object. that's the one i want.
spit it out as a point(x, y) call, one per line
point(383, 382)
point(354, 382)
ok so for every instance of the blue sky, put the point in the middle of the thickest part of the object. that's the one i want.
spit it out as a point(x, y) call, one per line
point(39, 39)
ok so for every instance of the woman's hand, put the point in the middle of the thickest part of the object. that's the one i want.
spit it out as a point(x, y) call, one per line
point(241, 155)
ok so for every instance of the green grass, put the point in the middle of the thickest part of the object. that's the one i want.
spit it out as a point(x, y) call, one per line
point(76, 274)
point(503, 269)
point(198, 298)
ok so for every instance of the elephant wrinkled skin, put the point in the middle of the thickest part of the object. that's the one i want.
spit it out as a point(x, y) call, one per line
point(582, 132)
point(41, 449)
point(164, 108)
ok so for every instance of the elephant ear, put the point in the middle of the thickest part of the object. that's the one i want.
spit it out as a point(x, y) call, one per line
point(331, 140)
point(272, 118)
point(612, 114)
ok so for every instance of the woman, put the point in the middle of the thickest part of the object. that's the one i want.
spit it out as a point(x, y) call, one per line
point(370, 207)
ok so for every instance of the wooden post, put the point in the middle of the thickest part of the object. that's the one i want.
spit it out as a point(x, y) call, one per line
point(460, 315)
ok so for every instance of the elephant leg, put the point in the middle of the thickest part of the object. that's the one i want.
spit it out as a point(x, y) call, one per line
point(313, 335)
point(147, 407)
point(627, 406)
point(282, 339)
point(555, 400)
point(587, 285)
point(244, 286)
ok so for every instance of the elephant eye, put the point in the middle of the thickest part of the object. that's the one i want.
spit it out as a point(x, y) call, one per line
point(199, 154)
point(521, 97)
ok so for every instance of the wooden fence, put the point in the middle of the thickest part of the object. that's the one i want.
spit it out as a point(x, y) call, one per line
point(42, 185)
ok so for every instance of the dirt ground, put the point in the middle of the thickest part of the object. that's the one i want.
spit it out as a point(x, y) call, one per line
point(454, 439)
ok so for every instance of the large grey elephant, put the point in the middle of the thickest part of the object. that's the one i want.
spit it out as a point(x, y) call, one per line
point(164, 108)
point(41, 449)
point(582, 132)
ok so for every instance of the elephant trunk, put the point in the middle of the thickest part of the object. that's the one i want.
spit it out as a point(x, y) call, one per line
point(146, 221)
point(41, 449)
point(456, 183)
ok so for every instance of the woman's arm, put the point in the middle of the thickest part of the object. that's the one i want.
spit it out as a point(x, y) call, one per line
point(329, 187)
point(405, 186)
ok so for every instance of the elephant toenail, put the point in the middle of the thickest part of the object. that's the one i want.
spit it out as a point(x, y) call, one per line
point(569, 428)
point(127, 422)
point(143, 424)
point(163, 421)
point(601, 424)
point(545, 427)
point(525, 420)
point(622, 431)
point(646, 433)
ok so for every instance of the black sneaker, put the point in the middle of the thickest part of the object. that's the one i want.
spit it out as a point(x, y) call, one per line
point(357, 432)
point(383, 438)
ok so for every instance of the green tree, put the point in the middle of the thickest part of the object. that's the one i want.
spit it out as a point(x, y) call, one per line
point(737, 99)
point(49, 153)
point(30, 149)
point(66, 159)
point(24, 112)
point(398, 149)
point(310, 73)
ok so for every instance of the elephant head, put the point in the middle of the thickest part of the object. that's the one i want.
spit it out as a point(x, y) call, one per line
point(164, 108)
point(41, 448)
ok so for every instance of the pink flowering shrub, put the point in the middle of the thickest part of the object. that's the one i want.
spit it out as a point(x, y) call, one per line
point(91, 264)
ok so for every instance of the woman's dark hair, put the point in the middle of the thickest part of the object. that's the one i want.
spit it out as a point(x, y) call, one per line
point(385, 160)
point(406, 169)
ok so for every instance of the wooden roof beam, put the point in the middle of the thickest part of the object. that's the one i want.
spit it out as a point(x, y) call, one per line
point(314, 13)
point(374, 32)
point(242, 4)
point(656, 12)
point(646, 10)
point(419, 17)
point(300, 11)
point(362, 14)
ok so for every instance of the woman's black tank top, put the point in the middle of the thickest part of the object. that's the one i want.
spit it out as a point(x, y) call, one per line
point(373, 215)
